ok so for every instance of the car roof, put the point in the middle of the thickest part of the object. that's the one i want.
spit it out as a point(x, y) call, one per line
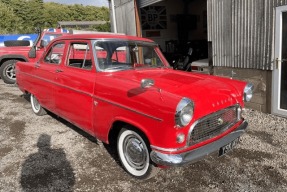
point(102, 36)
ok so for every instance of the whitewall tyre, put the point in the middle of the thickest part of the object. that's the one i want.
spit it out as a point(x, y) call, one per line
point(36, 107)
point(134, 154)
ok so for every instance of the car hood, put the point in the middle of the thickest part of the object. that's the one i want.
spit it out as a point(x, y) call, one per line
point(204, 90)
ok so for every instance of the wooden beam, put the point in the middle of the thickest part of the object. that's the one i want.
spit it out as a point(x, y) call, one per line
point(138, 22)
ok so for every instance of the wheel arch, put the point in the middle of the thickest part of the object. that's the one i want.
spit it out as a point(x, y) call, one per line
point(119, 123)
point(12, 57)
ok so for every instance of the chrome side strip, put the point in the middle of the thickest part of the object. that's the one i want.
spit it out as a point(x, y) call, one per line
point(128, 108)
point(95, 97)
point(37, 77)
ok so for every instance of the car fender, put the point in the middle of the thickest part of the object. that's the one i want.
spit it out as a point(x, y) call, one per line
point(12, 56)
point(137, 125)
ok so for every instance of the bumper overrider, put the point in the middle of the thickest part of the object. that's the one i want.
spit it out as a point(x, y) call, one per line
point(198, 153)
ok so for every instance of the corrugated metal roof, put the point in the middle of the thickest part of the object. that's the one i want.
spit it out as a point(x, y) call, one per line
point(144, 3)
point(242, 32)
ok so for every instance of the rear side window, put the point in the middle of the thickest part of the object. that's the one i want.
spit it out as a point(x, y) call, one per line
point(80, 56)
point(55, 54)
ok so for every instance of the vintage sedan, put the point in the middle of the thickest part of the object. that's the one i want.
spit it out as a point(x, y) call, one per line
point(120, 89)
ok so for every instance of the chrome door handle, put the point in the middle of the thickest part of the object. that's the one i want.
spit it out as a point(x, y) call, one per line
point(59, 70)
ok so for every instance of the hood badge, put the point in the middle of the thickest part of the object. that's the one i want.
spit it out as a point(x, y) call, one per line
point(218, 103)
point(220, 121)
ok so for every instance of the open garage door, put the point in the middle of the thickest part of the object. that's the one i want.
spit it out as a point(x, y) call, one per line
point(125, 15)
point(144, 3)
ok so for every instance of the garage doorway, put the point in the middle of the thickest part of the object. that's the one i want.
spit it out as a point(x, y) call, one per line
point(177, 25)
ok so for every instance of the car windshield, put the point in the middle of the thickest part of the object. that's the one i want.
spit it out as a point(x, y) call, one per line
point(125, 55)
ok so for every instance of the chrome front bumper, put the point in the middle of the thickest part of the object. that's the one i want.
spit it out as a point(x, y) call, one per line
point(199, 153)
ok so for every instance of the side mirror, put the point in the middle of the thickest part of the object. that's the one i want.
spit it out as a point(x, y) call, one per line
point(147, 83)
point(43, 43)
point(32, 52)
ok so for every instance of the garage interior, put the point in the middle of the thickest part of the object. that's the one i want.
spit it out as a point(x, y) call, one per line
point(177, 26)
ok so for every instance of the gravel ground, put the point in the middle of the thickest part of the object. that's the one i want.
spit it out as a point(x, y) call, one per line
point(48, 154)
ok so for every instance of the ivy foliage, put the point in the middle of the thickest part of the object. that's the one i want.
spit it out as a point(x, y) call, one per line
point(22, 16)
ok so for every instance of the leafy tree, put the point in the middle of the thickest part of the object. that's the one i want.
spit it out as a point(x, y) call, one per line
point(54, 12)
point(23, 16)
point(8, 21)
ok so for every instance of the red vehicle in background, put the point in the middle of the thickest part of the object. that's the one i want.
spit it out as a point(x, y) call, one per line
point(21, 51)
point(120, 89)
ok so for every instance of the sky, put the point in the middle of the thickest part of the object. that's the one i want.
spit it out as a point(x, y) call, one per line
point(98, 3)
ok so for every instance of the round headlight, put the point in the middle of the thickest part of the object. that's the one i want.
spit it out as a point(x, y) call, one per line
point(248, 92)
point(184, 112)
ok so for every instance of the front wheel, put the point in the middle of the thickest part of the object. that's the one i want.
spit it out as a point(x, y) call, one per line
point(7, 71)
point(36, 107)
point(134, 154)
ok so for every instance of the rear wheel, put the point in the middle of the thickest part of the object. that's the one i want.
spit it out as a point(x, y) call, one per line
point(36, 107)
point(134, 154)
point(7, 71)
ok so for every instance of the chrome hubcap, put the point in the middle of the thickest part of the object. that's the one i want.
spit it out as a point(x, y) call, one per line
point(10, 72)
point(135, 152)
point(36, 104)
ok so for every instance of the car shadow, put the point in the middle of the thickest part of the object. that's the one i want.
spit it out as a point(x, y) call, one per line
point(26, 97)
point(112, 150)
point(48, 169)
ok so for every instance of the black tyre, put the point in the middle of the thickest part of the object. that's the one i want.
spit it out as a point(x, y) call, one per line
point(14, 43)
point(7, 71)
point(36, 107)
point(134, 155)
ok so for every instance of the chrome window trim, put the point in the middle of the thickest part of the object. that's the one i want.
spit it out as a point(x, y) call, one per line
point(95, 41)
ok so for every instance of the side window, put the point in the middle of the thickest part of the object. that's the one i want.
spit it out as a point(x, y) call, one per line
point(54, 55)
point(80, 56)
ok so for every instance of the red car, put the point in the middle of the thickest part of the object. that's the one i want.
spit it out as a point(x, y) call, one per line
point(10, 55)
point(121, 88)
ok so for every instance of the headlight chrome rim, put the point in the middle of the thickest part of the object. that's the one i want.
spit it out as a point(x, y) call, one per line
point(248, 92)
point(184, 112)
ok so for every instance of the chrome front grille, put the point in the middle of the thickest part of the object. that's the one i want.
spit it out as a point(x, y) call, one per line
point(213, 125)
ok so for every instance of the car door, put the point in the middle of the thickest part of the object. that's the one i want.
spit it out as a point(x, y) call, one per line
point(74, 99)
point(45, 72)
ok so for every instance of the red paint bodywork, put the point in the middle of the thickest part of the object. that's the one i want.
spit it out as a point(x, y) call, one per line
point(21, 52)
point(95, 100)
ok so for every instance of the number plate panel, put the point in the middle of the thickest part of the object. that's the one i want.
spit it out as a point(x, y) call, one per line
point(225, 149)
